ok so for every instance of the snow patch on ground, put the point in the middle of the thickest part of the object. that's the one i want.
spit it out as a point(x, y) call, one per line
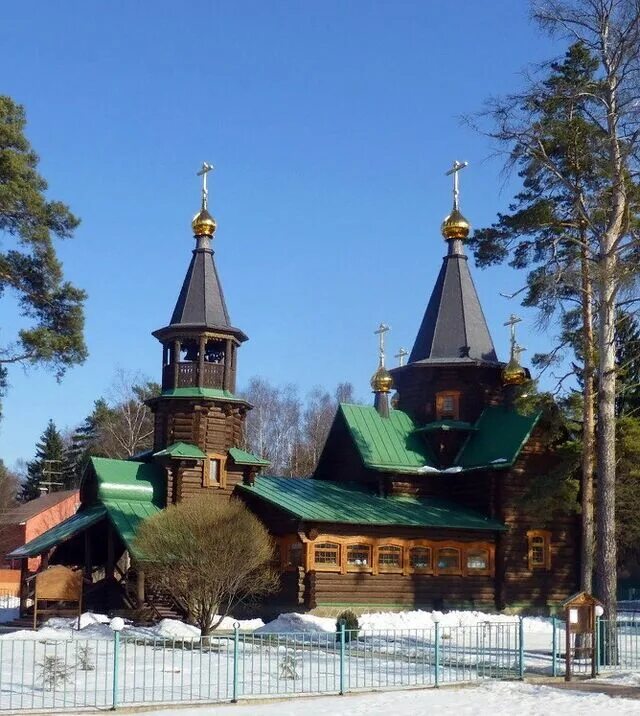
point(375, 622)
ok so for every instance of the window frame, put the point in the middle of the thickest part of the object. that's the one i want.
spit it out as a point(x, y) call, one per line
point(441, 396)
point(352, 544)
point(420, 544)
point(324, 566)
point(478, 570)
point(389, 569)
point(448, 570)
point(545, 536)
point(221, 484)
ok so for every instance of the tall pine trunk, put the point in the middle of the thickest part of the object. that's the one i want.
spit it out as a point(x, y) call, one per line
point(588, 424)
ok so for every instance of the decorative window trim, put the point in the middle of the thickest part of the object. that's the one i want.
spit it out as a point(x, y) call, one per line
point(448, 570)
point(376, 544)
point(441, 397)
point(222, 470)
point(545, 563)
point(328, 567)
point(363, 545)
point(387, 568)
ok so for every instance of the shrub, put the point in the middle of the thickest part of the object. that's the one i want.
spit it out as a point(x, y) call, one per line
point(351, 626)
point(288, 666)
point(209, 554)
point(84, 655)
point(53, 671)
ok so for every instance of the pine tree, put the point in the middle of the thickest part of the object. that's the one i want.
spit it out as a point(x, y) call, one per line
point(29, 268)
point(50, 465)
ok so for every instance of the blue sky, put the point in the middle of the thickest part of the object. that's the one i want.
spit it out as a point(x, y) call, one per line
point(331, 126)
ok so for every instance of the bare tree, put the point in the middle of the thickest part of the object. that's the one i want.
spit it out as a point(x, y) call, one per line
point(126, 427)
point(210, 555)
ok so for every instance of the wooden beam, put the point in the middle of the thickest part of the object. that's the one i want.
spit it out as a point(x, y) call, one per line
point(24, 573)
point(203, 342)
point(140, 587)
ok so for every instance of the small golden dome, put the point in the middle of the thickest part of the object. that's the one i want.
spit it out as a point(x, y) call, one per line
point(381, 381)
point(455, 226)
point(513, 373)
point(203, 223)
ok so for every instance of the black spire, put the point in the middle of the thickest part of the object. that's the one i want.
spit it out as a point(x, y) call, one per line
point(454, 328)
point(201, 301)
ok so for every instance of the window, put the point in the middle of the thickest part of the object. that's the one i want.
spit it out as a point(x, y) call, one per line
point(420, 559)
point(389, 558)
point(358, 557)
point(448, 561)
point(294, 556)
point(214, 471)
point(539, 552)
point(326, 555)
point(478, 560)
point(448, 405)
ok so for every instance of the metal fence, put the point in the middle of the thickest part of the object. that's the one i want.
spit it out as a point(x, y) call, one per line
point(51, 674)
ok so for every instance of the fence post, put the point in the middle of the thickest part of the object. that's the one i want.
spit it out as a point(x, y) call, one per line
point(436, 681)
point(554, 647)
point(521, 648)
point(116, 658)
point(342, 652)
point(597, 645)
point(236, 638)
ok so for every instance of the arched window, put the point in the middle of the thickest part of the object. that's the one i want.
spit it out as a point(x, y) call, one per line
point(478, 560)
point(326, 555)
point(448, 560)
point(358, 557)
point(294, 555)
point(420, 559)
point(389, 558)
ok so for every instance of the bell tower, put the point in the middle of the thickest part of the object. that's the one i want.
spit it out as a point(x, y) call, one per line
point(198, 418)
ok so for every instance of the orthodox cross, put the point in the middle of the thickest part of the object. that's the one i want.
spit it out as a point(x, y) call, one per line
point(457, 166)
point(206, 168)
point(513, 320)
point(401, 355)
point(381, 330)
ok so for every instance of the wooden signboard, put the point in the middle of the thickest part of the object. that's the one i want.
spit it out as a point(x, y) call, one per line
point(58, 584)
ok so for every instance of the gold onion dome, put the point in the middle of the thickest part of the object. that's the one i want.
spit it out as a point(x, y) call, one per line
point(203, 223)
point(381, 381)
point(513, 373)
point(455, 226)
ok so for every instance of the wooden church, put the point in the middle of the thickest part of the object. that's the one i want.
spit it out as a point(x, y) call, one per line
point(417, 501)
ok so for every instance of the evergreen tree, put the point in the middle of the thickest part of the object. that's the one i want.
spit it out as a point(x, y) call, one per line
point(52, 307)
point(628, 364)
point(50, 465)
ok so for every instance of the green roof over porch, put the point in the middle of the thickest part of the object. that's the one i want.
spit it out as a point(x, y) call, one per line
point(242, 457)
point(349, 503)
point(60, 533)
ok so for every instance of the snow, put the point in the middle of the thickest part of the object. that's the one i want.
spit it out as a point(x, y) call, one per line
point(493, 698)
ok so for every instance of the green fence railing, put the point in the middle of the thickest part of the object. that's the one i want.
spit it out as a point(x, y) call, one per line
point(53, 674)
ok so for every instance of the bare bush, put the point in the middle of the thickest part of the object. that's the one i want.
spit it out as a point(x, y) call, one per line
point(210, 555)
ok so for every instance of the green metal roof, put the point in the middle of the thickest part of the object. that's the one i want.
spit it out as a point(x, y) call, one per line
point(218, 393)
point(60, 533)
point(242, 457)
point(126, 518)
point(386, 443)
point(129, 480)
point(181, 450)
point(500, 435)
point(446, 425)
point(349, 503)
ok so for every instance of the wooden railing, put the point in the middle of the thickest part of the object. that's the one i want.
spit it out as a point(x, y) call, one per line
point(212, 376)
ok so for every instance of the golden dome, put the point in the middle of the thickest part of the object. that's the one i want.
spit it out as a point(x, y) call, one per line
point(513, 373)
point(381, 381)
point(455, 226)
point(203, 223)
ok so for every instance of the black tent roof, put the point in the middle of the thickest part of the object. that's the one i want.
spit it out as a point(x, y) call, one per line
point(454, 328)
